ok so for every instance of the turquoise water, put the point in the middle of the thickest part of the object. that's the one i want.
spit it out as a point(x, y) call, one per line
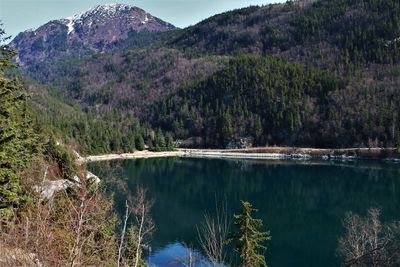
point(301, 203)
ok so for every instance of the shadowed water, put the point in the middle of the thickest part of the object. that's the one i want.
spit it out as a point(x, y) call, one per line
point(301, 203)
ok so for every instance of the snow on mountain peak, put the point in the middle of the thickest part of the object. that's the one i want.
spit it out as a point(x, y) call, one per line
point(99, 12)
point(104, 10)
point(111, 8)
point(70, 26)
point(96, 30)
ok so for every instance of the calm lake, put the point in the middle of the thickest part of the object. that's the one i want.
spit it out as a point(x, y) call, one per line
point(302, 203)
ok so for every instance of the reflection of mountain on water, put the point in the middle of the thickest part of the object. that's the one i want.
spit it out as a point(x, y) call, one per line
point(177, 255)
point(302, 203)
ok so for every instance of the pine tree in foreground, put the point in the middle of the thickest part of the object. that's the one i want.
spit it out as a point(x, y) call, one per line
point(17, 138)
point(248, 238)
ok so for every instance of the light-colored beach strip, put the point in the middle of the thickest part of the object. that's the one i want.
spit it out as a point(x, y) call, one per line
point(254, 153)
point(188, 153)
point(210, 153)
point(135, 155)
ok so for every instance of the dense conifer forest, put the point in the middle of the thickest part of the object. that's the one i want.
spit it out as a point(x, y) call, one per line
point(303, 73)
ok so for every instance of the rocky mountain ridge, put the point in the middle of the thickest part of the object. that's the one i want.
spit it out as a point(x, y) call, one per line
point(95, 30)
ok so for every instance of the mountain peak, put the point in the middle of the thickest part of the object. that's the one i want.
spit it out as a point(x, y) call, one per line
point(112, 7)
point(105, 9)
point(96, 29)
point(105, 12)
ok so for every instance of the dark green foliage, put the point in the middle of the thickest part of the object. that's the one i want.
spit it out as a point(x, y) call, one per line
point(248, 238)
point(129, 259)
point(345, 31)
point(88, 131)
point(63, 157)
point(140, 39)
point(95, 134)
point(267, 98)
point(162, 143)
point(140, 145)
point(366, 30)
point(170, 144)
point(211, 34)
point(18, 142)
point(224, 123)
point(279, 103)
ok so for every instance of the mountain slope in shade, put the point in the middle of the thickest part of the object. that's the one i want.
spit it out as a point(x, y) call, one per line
point(95, 30)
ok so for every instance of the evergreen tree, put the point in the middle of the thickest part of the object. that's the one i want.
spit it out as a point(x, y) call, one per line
point(116, 141)
point(17, 138)
point(62, 156)
point(170, 143)
point(128, 142)
point(398, 142)
point(249, 238)
point(139, 142)
point(159, 141)
point(132, 248)
point(226, 130)
point(258, 131)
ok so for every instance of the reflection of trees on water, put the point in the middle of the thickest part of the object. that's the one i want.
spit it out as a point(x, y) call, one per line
point(301, 203)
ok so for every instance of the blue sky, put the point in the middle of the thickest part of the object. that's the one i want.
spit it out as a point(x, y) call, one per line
point(20, 15)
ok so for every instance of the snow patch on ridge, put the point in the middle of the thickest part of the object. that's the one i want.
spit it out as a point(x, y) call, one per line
point(100, 11)
point(146, 19)
point(70, 25)
point(106, 10)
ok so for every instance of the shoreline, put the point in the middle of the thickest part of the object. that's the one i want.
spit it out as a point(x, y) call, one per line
point(135, 155)
point(266, 153)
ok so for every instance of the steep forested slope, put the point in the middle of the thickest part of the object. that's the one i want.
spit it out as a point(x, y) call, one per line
point(360, 30)
point(85, 129)
point(321, 73)
point(128, 81)
point(356, 41)
point(277, 102)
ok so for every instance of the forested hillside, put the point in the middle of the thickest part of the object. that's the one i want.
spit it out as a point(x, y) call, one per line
point(315, 73)
point(360, 30)
point(294, 105)
point(87, 130)
point(128, 80)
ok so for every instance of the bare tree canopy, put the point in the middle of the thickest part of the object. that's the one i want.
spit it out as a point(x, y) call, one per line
point(213, 234)
point(135, 237)
point(369, 242)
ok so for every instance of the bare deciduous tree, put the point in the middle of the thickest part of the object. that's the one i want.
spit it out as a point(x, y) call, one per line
point(137, 225)
point(368, 242)
point(85, 207)
point(142, 219)
point(122, 241)
point(213, 234)
point(73, 228)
